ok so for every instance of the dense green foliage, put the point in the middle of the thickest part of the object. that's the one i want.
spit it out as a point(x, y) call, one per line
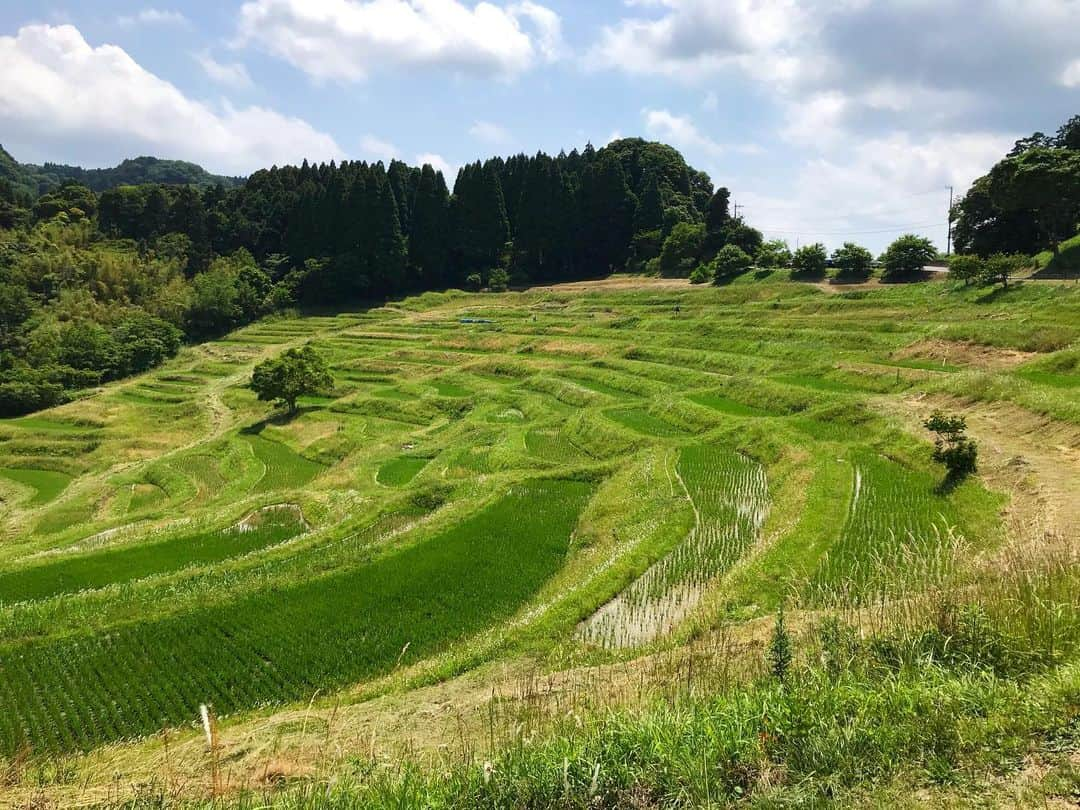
point(730, 262)
point(809, 261)
point(852, 262)
point(286, 378)
point(774, 253)
point(1029, 201)
point(952, 447)
point(32, 180)
point(906, 257)
point(163, 247)
point(77, 309)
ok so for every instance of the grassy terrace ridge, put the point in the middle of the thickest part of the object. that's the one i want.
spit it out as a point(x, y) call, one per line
point(558, 481)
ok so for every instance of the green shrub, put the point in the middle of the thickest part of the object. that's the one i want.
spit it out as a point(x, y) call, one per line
point(907, 256)
point(774, 253)
point(729, 263)
point(703, 274)
point(809, 261)
point(853, 263)
point(965, 267)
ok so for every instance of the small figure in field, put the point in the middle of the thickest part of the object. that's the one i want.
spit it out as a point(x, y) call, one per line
point(678, 309)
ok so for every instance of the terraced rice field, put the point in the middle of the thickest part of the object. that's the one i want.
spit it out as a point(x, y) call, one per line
point(894, 528)
point(730, 497)
point(562, 475)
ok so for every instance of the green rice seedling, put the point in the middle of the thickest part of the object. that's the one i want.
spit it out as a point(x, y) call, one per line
point(393, 393)
point(445, 388)
point(730, 495)
point(145, 496)
point(64, 516)
point(895, 529)
point(287, 643)
point(641, 421)
point(284, 467)
point(397, 472)
point(726, 406)
point(46, 485)
point(551, 444)
point(48, 425)
point(150, 556)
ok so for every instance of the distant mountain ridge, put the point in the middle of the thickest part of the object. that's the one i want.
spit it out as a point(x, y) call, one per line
point(34, 180)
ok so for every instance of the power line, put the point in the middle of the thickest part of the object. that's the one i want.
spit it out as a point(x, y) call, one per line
point(842, 233)
point(862, 211)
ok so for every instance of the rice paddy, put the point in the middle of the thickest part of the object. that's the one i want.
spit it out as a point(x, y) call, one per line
point(460, 495)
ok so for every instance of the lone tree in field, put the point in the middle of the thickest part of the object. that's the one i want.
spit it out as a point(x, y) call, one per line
point(952, 447)
point(291, 375)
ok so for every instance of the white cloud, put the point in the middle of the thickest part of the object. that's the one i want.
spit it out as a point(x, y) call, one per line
point(890, 64)
point(97, 105)
point(349, 39)
point(883, 100)
point(816, 120)
point(439, 163)
point(696, 38)
point(549, 39)
point(681, 132)
point(491, 133)
point(1070, 77)
point(374, 148)
point(880, 188)
point(153, 16)
point(230, 74)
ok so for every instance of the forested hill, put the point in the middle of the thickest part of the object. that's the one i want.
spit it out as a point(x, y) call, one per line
point(99, 285)
point(33, 181)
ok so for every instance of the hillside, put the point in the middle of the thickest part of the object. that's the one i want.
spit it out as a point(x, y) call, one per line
point(517, 513)
point(34, 180)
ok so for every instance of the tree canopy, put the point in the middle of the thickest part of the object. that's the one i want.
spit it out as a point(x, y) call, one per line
point(1029, 201)
point(906, 257)
point(291, 375)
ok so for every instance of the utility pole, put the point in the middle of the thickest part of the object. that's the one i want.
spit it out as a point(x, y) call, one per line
point(948, 239)
point(737, 207)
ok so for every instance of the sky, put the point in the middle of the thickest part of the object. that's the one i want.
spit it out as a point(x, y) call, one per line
point(829, 120)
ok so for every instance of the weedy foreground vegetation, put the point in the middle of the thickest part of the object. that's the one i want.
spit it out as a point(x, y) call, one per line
point(622, 482)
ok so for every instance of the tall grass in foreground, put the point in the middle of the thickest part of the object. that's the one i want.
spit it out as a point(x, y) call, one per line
point(948, 686)
point(968, 692)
